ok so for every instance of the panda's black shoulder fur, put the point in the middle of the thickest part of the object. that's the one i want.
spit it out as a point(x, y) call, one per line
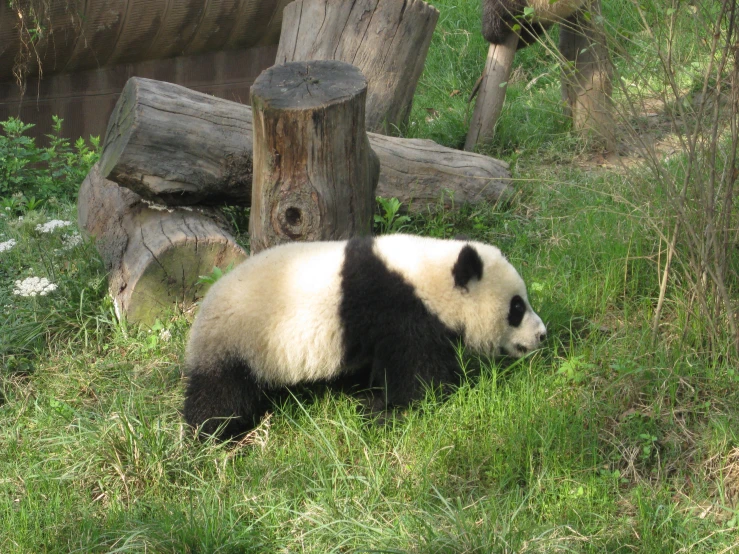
point(387, 326)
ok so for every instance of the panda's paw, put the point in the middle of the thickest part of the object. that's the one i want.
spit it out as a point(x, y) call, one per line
point(373, 407)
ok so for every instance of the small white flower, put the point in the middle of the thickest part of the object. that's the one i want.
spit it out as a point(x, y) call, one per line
point(165, 335)
point(50, 226)
point(70, 241)
point(7, 245)
point(34, 286)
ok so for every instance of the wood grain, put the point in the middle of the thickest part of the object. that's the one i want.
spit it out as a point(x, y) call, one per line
point(154, 254)
point(176, 146)
point(314, 171)
point(386, 39)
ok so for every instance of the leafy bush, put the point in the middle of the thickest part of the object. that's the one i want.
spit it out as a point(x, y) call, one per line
point(33, 171)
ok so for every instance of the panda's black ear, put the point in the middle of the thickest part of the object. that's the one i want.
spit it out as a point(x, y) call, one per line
point(468, 267)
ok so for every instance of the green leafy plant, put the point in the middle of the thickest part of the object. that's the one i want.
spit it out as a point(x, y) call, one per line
point(39, 172)
point(575, 369)
point(32, 204)
point(389, 220)
point(648, 445)
point(12, 205)
point(18, 154)
point(214, 275)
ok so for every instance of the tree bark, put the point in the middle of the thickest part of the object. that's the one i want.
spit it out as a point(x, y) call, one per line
point(386, 39)
point(173, 145)
point(210, 139)
point(154, 254)
point(491, 94)
point(586, 77)
point(423, 174)
point(314, 171)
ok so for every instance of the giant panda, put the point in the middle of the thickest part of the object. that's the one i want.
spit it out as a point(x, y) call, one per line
point(385, 312)
point(498, 16)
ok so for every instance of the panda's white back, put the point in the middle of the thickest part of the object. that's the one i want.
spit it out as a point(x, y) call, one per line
point(279, 310)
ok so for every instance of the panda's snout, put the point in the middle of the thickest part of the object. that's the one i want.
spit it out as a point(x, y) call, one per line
point(542, 336)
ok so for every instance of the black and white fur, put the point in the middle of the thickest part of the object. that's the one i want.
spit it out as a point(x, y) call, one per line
point(498, 16)
point(386, 312)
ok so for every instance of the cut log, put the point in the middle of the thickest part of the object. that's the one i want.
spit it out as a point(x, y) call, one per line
point(211, 140)
point(173, 145)
point(386, 39)
point(422, 174)
point(586, 77)
point(314, 171)
point(492, 91)
point(154, 254)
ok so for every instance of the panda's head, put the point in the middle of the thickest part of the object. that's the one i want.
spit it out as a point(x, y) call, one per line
point(496, 317)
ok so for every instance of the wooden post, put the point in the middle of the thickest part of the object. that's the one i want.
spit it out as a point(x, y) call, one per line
point(154, 254)
point(492, 91)
point(586, 77)
point(386, 39)
point(314, 171)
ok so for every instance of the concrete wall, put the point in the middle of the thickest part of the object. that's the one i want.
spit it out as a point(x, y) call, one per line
point(92, 47)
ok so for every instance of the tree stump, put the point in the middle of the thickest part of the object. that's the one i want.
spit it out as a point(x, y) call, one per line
point(586, 77)
point(154, 254)
point(491, 94)
point(173, 145)
point(386, 39)
point(314, 171)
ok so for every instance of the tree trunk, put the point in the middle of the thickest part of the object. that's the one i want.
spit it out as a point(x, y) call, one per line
point(386, 39)
point(314, 171)
point(491, 94)
point(154, 254)
point(586, 77)
point(173, 145)
point(210, 139)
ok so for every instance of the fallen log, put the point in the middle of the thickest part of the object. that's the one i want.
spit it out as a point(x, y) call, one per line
point(314, 171)
point(173, 145)
point(177, 146)
point(386, 39)
point(154, 254)
point(424, 175)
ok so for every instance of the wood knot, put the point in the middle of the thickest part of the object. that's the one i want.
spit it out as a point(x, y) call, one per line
point(296, 215)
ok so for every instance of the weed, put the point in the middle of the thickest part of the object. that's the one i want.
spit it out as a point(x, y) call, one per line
point(389, 219)
point(34, 173)
point(214, 275)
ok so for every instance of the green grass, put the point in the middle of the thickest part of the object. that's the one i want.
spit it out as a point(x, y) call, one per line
point(599, 442)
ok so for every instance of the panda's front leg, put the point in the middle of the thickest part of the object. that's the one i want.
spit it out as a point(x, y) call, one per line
point(224, 399)
point(402, 370)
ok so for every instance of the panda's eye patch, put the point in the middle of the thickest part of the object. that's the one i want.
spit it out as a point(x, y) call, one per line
point(516, 311)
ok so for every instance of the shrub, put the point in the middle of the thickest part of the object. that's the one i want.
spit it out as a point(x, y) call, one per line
point(42, 172)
